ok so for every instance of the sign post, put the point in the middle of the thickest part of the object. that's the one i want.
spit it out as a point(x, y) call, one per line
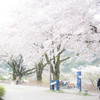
point(79, 81)
point(52, 85)
point(57, 85)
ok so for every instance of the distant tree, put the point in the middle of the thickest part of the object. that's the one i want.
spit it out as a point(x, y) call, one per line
point(18, 68)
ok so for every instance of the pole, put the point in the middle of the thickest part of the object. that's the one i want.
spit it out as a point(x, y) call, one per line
point(50, 76)
point(50, 69)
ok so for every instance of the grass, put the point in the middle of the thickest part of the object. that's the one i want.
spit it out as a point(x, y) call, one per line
point(80, 93)
point(60, 91)
point(77, 93)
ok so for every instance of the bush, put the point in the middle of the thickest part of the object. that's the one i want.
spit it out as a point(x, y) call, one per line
point(2, 91)
point(1, 78)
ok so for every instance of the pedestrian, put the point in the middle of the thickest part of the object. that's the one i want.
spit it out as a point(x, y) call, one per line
point(17, 80)
point(98, 85)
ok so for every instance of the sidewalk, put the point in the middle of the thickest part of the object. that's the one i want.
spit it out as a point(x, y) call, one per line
point(21, 92)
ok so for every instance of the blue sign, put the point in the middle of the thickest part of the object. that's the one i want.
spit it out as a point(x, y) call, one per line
point(79, 80)
point(52, 86)
point(57, 85)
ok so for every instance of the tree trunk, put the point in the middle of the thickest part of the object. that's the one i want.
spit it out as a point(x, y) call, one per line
point(56, 73)
point(39, 76)
point(14, 76)
point(20, 79)
point(55, 76)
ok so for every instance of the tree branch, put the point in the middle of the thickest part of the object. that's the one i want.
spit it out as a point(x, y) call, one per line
point(64, 59)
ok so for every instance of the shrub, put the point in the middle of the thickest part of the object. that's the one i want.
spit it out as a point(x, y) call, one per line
point(2, 91)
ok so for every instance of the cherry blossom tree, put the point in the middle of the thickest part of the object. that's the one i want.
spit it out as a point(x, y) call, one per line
point(65, 22)
point(55, 62)
point(18, 68)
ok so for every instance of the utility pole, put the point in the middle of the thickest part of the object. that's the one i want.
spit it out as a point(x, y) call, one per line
point(50, 69)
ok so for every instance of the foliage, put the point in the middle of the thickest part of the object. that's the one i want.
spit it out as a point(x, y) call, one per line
point(74, 63)
point(1, 77)
point(19, 69)
point(2, 91)
point(67, 22)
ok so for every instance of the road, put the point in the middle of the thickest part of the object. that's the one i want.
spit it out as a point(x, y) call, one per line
point(21, 92)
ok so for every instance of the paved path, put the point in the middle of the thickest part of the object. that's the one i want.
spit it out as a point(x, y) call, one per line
point(20, 92)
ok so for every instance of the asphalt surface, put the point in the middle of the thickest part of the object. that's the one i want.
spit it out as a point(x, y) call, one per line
point(21, 92)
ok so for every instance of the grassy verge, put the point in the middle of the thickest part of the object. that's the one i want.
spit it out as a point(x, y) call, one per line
point(60, 91)
point(76, 93)
point(80, 93)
